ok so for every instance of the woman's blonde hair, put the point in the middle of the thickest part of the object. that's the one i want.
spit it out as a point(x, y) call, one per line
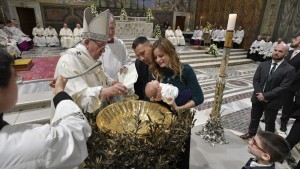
point(167, 47)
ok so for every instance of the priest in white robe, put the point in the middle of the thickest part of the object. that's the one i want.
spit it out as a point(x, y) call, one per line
point(8, 44)
point(77, 32)
point(51, 36)
point(23, 40)
point(179, 36)
point(115, 58)
point(92, 90)
point(197, 36)
point(255, 48)
point(238, 37)
point(66, 37)
point(169, 34)
point(38, 36)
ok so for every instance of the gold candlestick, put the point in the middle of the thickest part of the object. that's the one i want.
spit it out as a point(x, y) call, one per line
point(212, 131)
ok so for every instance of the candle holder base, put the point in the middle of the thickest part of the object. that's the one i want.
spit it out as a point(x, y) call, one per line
point(213, 132)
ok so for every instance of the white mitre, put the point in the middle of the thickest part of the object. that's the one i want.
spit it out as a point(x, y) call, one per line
point(95, 27)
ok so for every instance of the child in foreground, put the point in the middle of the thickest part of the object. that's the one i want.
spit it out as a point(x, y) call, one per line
point(267, 148)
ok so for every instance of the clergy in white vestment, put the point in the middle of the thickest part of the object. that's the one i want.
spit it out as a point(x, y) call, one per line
point(60, 144)
point(265, 51)
point(238, 35)
point(23, 40)
point(91, 90)
point(51, 36)
point(214, 35)
point(77, 32)
point(66, 37)
point(197, 36)
point(169, 34)
point(255, 48)
point(179, 36)
point(8, 44)
point(115, 58)
point(221, 37)
point(38, 36)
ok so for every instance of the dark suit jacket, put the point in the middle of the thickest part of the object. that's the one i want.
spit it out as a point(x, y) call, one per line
point(296, 106)
point(143, 79)
point(295, 62)
point(281, 80)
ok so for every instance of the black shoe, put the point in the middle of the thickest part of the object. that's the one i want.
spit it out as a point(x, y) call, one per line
point(263, 120)
point(246, 136)
point(283, 128)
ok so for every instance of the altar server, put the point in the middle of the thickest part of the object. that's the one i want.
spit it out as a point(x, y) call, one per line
point(77, 33)
point(60, 144)
point(116, 57)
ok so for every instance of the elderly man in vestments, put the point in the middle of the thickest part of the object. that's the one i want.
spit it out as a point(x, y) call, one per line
point(77, 33)
point(23, 40)
point(7, 43)
point(66, 35)
point(238, 37)
point(115, 58)
point(169, 34)
point(91, 90)
point(51, 36)
point(179, 36)
point(38, 36)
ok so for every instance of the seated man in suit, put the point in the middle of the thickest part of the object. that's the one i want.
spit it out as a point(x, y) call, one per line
point(270, 80)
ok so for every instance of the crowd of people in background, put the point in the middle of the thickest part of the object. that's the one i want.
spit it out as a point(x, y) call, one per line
point(14, 41)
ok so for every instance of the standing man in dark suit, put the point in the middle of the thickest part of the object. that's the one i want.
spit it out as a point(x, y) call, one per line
point(294, 137)
point(293, 58)
point(270, 80)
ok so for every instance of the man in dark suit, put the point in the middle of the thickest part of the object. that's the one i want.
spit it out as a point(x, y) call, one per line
point(143, 50)
point(270, 80)
point(294, 137)
point(293, 58)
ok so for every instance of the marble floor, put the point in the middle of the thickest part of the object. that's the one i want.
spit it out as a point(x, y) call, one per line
point(235, 109)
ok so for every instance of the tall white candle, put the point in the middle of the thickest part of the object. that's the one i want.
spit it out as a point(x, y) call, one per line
point(231, 21)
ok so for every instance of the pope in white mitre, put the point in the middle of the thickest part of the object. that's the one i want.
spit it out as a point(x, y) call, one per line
point(91, 90)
